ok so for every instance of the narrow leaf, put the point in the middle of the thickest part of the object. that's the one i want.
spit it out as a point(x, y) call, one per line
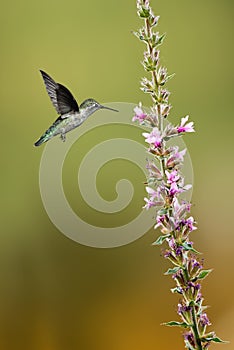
point(177, 324)
point(151, 180)
point(160, 40)
point(144, 12)
point(218, 340)
point(170, 76)
point(188, 246)
point(192, 303)
point(162, 211)
point(214, 339)
point(160, 240)
point(203, 274)
point(172, 271)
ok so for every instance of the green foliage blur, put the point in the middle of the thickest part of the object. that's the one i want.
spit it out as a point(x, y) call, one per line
point(56, 294)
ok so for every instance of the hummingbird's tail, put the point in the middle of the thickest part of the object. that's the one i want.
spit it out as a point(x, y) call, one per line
point(48, 134)
point(40, 141)
point(44, 138)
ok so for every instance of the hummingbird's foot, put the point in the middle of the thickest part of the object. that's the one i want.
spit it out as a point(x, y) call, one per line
point(63, 136)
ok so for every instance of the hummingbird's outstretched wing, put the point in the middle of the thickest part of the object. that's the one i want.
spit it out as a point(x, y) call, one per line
point(60, 96)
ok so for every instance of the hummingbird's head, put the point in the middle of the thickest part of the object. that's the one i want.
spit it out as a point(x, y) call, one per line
point(91, 106)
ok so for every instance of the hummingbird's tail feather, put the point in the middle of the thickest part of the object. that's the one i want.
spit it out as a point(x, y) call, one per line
point(49, 133)
point(42, 139)
point(46, 136)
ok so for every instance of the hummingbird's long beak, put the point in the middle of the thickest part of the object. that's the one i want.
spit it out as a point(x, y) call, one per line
point(111, 109)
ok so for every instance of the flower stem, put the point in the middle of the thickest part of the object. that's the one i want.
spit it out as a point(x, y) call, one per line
point(164, 186)
point(195, 330)
point(156, 96)
point(150, 50)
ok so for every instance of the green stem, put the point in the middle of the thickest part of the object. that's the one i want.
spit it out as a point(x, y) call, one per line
point(195, 330)
point(194, 318)
point(150, 50)
point(158, 92)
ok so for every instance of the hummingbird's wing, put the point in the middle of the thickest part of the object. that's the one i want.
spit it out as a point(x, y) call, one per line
point(60, 96)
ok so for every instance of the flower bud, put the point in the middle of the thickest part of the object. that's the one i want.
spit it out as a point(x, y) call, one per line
point(154, 20)
point(161, 76)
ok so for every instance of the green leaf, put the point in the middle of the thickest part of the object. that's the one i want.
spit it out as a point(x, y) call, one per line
point(177, 324)
point(160, 240)
point(170, 76)
point(192, 303)
point(218, 340)
point(144, 12)
point(140, 35)
point(203, 274)
point(151, 180)
point(188, 246)
point(163, 212)
point(214, 340)
point(160, 39)
point(172, 271)
point(157, 40)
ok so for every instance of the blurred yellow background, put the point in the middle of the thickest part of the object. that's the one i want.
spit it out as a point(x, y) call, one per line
point(56, 294)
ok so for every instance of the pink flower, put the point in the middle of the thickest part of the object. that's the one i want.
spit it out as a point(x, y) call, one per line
point(187, 225)
point(161, 220)
point(204, 320)
point(153, 170)
point(153, 194)
point(154, 200)
point(139, 114)
point(179, 155)
point(187, 187)
point(190, 223)
point(176, 157)
point(185, 127)
point(172, 176)
point(166, 225)
point(179, 209)
point(174, 189)
point(153, 138)
point(149, 203)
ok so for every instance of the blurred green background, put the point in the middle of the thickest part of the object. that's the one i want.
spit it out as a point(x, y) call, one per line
point(56, 294)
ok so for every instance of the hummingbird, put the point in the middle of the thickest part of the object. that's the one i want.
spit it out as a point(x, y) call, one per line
point(70, 114)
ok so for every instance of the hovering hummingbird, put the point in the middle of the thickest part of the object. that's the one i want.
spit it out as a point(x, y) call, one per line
point(70, 114)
